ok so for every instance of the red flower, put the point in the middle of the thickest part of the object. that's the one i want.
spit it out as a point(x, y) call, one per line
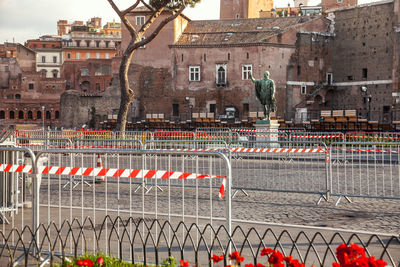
point(372, 262)
point(100, 261)
point(234, 255)
point(266, 251)
point(216, 258)
point(260, 265)
point(85, 262)
point(353, 255)
point(276, 258)
point(249, 265)
point(240, 259)
point(184, 263)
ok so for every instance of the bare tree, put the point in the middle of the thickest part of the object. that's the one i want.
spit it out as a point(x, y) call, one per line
point(156, 7)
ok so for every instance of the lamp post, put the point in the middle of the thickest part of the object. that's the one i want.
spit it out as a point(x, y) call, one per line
point(43, 117)
point(88, 117)
point(190, 107)
point(367, 99)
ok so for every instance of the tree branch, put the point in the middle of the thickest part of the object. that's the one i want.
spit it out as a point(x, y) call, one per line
point(161, 25)
point(150, 21)
point(129, 9)
point(147, 5)
point(122, 16)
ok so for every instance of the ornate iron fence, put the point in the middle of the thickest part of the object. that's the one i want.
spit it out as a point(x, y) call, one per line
point(149, 241)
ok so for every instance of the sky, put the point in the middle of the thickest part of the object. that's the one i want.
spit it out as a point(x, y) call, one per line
point(21, 20)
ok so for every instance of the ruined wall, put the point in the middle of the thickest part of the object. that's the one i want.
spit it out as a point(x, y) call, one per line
point(74, 106)
point(363, 56)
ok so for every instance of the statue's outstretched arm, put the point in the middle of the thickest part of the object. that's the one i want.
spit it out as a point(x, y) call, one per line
point(251, 76)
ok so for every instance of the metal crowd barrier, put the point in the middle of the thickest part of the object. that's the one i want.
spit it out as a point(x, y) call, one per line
point(123, 172)
point(373, 137)
point(283, 166)
point(326, 137)
point(365, 170)
point(39, 143)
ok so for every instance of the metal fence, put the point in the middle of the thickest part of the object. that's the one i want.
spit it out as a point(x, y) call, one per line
point(149, 242)
point(283, 166)
point(326, 137)
point(365, 170)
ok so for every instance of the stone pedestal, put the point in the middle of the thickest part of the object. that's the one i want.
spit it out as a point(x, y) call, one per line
point(266, 130)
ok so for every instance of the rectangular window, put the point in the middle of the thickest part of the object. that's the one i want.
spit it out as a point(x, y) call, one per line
point(43, 59)
point(303, 89)
point(87, 55)
point(245, 108)
point(31, 86)
point(365, 73)
point(175, 110)
point(78, 55)
point(140, 20)
point(194, 73)
point(246, 69)
point(107, 55)
point(221, 74)
point(54, 59)
point(329, 78)
point(6, 69)
point(213, 108)
point(97, 55)
point(69, 55)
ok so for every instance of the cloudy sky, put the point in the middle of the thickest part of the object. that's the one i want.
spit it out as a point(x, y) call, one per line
point(28, 19)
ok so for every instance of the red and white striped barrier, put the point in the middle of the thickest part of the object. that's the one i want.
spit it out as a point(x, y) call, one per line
point(318, 136)
point(110, 172)
point(280, 150)
point(371, 137)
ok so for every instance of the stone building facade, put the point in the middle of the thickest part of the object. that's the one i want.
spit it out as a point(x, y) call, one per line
point(359, 55)
point(90, 77)
point(48, 55)
point(26, 96)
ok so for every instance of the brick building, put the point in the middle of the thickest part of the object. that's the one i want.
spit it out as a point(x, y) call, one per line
point(91, 76)
point(347, 59)
point(354, 66)
point(26, 96)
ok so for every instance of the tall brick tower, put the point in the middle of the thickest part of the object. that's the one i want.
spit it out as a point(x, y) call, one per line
point(244, 9)
point(332, 4)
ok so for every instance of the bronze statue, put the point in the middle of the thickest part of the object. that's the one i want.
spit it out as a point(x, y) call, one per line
point(265, 92)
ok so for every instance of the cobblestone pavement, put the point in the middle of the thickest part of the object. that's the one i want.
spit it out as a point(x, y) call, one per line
point(363, 214)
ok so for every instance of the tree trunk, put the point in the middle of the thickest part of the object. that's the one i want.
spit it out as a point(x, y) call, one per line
point(127, 93)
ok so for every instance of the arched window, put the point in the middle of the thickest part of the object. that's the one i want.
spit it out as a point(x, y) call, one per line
point(12, 115)
point(17, 96)
point(20, 115)
point(221, 75)
point(55, 73)
point(44, 73)
point(57, 115)
point(2, 114)
point(30, 115)
point(48, 115)
point(38, 114)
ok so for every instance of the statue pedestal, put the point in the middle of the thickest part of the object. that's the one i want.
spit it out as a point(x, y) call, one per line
point(269, 127)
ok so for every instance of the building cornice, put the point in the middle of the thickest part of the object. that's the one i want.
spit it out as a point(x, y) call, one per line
point(233, 45)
